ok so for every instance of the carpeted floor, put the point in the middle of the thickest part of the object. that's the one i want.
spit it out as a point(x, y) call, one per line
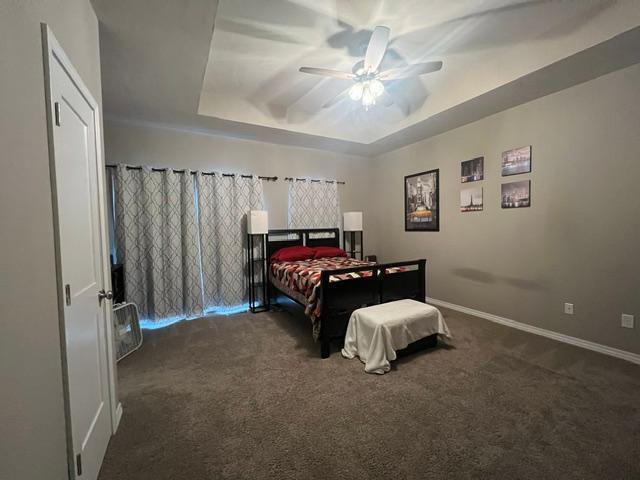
point(247, 397)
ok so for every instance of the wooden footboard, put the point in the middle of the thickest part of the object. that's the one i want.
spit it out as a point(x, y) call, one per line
point(408, 283)
point(384, 284)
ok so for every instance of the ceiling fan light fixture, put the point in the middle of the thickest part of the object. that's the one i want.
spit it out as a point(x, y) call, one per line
point(368, 98)
point(356, 91)
point(367, 75)
point(376, 87)
point(366, 91)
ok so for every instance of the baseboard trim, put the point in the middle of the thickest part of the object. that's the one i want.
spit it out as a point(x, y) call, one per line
point(118, 417)
point(560, 337)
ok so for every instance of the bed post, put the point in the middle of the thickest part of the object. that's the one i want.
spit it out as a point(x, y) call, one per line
point(422, 285)
point(325, 341)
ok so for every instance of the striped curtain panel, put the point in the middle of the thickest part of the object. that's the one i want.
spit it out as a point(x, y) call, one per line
point(157, 241)
point(313, 204)
point(223, 204)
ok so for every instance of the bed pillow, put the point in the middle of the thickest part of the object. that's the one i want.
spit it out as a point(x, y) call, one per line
point(323, 252)
point(293, 254)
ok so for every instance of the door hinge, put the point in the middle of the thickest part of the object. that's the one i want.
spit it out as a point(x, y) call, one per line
point(67, 294)
point(79, 464)
point(56, 109)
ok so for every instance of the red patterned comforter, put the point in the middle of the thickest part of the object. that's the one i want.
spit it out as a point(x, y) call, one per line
point(302, 278)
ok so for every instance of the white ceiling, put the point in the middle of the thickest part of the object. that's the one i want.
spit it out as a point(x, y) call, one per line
point(162, 64)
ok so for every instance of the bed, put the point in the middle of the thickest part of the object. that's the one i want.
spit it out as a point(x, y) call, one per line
point(331, 288)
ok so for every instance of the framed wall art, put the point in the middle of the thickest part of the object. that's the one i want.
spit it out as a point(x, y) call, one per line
point(422, 202)
point(516, 194)
point(471, 199)
point(516, 161)
point(472, 170)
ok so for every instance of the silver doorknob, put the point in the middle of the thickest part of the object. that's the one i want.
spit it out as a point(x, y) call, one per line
point(102, 295)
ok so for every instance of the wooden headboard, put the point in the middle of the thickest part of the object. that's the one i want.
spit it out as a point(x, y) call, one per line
point(311, 237)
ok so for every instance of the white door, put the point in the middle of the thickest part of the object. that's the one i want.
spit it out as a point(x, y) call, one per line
point(81, 249)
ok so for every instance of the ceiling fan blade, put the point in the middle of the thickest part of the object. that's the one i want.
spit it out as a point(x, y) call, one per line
point(325, 72)
point(337, 99)
point(410, 71)
point(376, 49)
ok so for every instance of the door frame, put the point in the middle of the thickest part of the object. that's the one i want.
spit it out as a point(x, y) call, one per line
point(52, 51)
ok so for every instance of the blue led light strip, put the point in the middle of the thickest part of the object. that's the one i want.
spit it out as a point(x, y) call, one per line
point(146, 324)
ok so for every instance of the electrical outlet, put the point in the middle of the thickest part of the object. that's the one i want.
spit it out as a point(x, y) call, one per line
point(568, 308)
point(627, 321)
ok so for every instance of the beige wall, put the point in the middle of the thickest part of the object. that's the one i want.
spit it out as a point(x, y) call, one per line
point(141, 145)
point(33, 444)
point(579, 241)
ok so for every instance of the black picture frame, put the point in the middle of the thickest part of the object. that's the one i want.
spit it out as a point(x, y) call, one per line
point(422, 214)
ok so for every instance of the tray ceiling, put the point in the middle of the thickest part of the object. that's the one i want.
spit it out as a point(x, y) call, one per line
point(257, 47)
point(164, 65)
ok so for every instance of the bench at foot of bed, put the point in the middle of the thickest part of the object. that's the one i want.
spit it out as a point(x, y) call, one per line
point(428, 342)
point(375, 334)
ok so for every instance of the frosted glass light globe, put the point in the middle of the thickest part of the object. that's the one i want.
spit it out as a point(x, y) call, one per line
point(376, 87)
point(355, 92)
point(367, 97)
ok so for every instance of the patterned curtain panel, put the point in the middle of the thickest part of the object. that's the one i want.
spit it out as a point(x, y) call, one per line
point(223, 203)
point(157, 240)
point(313, 204)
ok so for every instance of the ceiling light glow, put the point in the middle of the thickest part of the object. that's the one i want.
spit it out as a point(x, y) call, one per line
point(366, 91)
point(368, 98)
point(355, 92)
point(376, 87)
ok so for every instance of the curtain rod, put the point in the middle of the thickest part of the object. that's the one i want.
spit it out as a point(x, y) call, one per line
point(269, 179)
point(313, 180)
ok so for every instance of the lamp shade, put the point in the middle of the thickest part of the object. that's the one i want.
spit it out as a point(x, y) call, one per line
point(352, 221)
point(258, 222)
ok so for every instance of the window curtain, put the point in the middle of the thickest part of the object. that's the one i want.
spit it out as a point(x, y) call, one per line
point(182, 239)
point(313, 204)
point(223, 203)
point(157, 241)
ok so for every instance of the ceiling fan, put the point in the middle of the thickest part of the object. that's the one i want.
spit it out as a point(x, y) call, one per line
point(368, 80)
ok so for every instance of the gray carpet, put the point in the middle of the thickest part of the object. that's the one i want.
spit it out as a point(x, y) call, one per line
point(247, 397)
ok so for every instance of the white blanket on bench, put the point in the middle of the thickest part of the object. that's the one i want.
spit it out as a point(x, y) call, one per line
point(375, 333)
